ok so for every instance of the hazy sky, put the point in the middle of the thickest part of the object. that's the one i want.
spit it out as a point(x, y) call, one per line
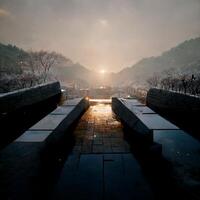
point(100, 34)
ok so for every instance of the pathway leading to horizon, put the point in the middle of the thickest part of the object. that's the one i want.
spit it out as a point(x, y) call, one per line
point(98, 131)
point(101, 165)
point(96, 160)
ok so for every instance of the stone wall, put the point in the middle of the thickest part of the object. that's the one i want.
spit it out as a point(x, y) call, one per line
point(22, 108)
point(172, 102)
point(124, 112)
point(183, 110)
point(62, 136)
point(15, 100)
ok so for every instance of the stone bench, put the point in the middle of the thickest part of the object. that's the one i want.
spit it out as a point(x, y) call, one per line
point(55, 126)
point(22, 108)
point(140, 118)
point(178, 147)
point(182, 151)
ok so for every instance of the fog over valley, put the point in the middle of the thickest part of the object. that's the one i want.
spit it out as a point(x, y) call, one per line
point(106, 34)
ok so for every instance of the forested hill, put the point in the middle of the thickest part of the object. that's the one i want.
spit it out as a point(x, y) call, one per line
point(9, 58)
point(185, 56)
point(20, 68)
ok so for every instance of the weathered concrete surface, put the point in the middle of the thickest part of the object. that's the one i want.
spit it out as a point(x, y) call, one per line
point(172, 102)
point(34, 136)
point(63, 110)
point(61, 131)
point(123, 109)
point(183, 152)
point(182, 110)
point(179, 149)
point(55, 126)
point(71, 102)
point(156, 122)
point(139, 117)
point(98, 166)
point(12, 101)
point(102, 163)
point(142, 110)
point(50, 122)
point(21, 109)
point(98, 131)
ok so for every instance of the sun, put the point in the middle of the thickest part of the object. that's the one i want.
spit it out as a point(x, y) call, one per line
point(103, 71)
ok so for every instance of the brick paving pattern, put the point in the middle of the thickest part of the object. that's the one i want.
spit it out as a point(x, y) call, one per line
point(98, 131)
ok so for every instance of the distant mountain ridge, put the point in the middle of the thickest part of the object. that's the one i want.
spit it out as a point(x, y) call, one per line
point(65, 70)
point(184, 56)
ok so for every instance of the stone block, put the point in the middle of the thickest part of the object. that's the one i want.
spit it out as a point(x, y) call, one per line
point(62, 110)
point(33, 136)
point(155, 121)
point(50, 122)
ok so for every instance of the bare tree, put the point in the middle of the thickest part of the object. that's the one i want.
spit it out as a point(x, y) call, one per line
point(186, 82)
point(39, 63)
point(26, 69)
point(47, 61)
point(154, 80)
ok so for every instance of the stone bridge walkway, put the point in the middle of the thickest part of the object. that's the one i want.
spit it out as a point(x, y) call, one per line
point(101, 165)
point(98, 131)
point(99, 161)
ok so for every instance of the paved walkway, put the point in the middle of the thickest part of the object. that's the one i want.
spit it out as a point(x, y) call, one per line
point(98, 131)
point(101, 165)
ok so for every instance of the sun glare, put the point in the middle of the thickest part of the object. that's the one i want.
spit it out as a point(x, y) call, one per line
point(102, 71)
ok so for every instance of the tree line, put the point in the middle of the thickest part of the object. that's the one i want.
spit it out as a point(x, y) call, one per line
point(26, 69)
point(185, 82)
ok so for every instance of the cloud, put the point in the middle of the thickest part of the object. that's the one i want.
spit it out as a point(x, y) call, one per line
point(103, 22)
point(4, 13)
point(112, 33)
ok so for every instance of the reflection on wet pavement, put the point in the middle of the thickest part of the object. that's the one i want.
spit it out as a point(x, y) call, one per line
point(101, 165)
point(98, 131)
point(97, 162)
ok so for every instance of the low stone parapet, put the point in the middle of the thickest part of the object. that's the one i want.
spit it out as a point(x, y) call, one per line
point(141, 119)
point(18, 99)
point(22, 108)
point(172, 102)
point(56, 126)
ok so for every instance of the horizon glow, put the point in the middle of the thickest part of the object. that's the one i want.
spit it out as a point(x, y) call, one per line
point(117, 33)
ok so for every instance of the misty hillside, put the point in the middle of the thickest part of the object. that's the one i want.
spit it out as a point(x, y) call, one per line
point(185, 56)
point(68, 72)
point(65, 69)
point(9, 57)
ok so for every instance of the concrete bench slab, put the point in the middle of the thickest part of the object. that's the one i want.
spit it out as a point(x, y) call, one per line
point(177, 144)
point(127, 116)
point(72, 102)
point(140, 119)
point(155, 121)
point(18, 99)
point(33, 136)
point(142, 110)
point(50, 122)
point(54, 130)
point(62, 110)
point(131, 102)
point(22, 108)
point(183, 151)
